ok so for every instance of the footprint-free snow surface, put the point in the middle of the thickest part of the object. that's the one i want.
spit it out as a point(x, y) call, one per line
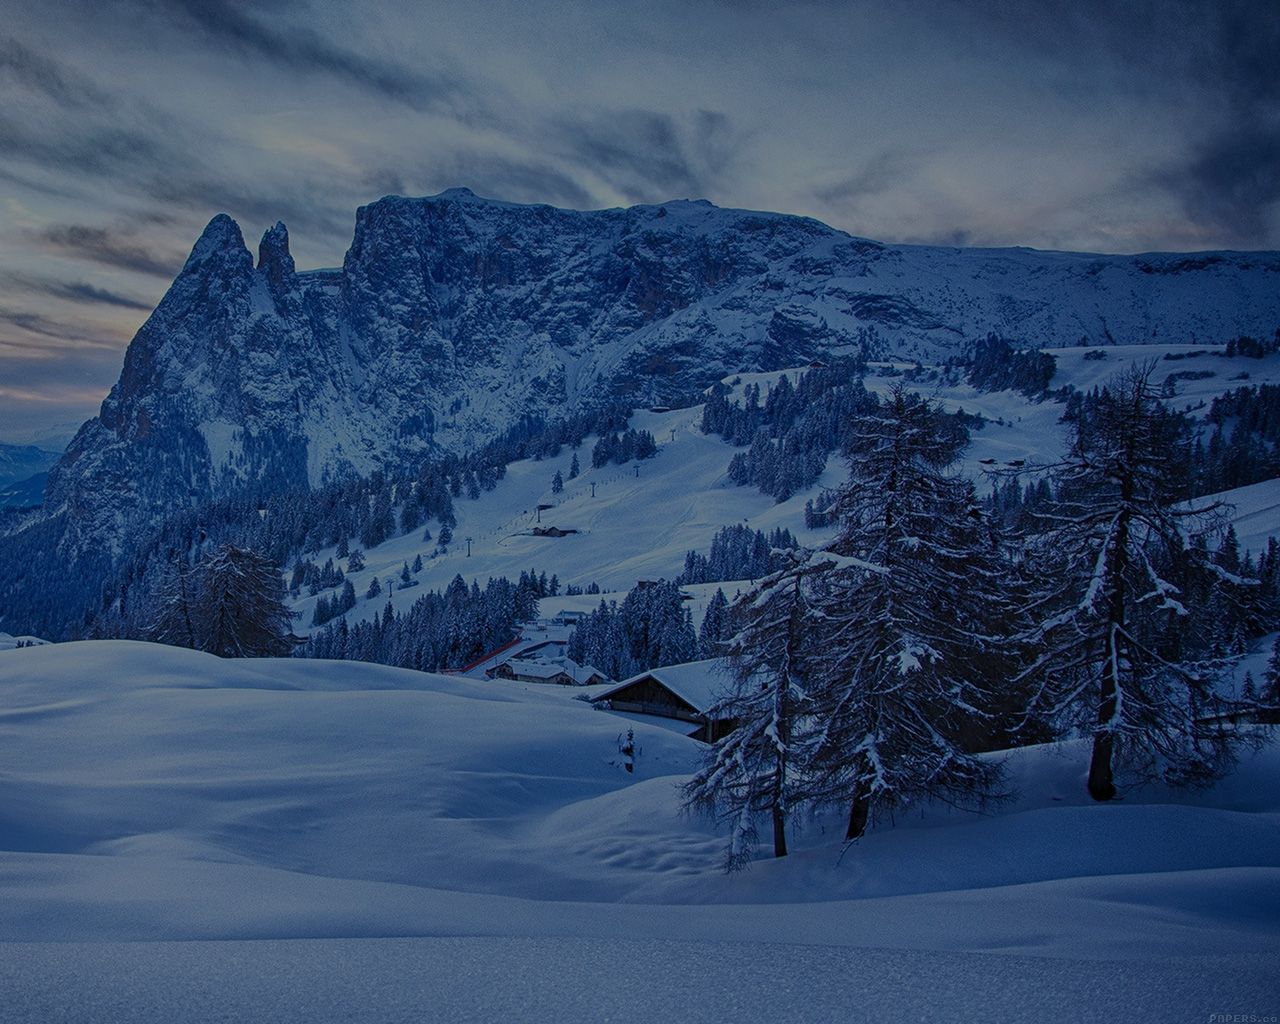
point(189, 839)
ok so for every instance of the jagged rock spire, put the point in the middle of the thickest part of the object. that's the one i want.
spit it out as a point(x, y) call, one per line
point(274, 258)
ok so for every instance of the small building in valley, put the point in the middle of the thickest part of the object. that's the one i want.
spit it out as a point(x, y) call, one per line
point(685, 692)
point(533, 672)
point(562, 672)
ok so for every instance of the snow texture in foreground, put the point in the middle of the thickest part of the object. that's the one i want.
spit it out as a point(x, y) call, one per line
point(337, 841)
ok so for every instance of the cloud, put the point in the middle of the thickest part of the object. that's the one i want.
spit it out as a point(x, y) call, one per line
point(1215, 63)
point(517, 179)
point(880, 173)
point(42, 74)
point(304, 202)
point(64, 396)
point(61, 332)
point(647, 156)
point(42, 185)
point(233, 27)
point(114, 151)
point(1230, 183)
point(1230, 180)
point(110, 247)
point(74, 291)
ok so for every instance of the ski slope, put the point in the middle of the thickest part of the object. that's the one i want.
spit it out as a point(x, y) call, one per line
point(637, 521)
point(183, 838)
point(640, 522)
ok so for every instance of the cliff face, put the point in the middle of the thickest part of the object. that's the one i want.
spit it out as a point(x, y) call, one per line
point(452, 316)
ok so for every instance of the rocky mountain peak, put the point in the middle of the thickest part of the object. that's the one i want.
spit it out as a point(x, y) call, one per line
point(274, 258)
point(454, 316)
point(221, 241)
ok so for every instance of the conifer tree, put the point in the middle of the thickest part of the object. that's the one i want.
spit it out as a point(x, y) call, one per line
point(1270, 696)
point(753, 771)
point(715, 624)
point(1114, 610)
point(173, 623)
point(901, 671)
point(240, 610)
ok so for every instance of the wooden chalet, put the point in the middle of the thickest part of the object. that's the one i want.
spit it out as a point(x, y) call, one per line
point(685, 692)
point(534, 672)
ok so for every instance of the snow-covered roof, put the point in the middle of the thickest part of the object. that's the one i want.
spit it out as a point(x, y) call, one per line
point(536, 669)
point(582, 673)
point(699, 683)
point(546, 641)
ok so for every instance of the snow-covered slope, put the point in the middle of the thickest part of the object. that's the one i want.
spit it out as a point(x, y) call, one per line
point(636, 521)
point(631, 522)
point(453, 316)
point(153, 794)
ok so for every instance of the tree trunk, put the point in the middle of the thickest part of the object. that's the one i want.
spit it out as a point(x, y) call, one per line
point(859, 813)
point(779, 833)
point(1101, 784)
point(1101, 776)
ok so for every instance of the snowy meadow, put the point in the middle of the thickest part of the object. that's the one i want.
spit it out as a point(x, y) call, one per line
point(200, 839)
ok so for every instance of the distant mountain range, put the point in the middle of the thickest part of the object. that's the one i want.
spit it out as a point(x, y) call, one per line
point(24, 493)
point(454, 316)
point(51, 437)
point(23, 469)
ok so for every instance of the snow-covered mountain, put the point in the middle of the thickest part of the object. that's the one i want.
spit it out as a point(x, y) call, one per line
point(20, 462)
point(453, 316)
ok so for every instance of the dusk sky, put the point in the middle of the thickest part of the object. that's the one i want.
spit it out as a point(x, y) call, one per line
point(124, 126)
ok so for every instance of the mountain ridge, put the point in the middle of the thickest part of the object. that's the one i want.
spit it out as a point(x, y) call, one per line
point(453, 316)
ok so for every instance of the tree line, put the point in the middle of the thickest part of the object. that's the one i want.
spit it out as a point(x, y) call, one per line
point(874, 672)
point(49, 590)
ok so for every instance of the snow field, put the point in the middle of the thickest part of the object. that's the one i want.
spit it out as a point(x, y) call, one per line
point(303, 840)
point(640, 526)
point(635, 527)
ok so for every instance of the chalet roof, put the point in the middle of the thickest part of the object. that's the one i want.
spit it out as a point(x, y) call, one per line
point(582, 673)
point(698, 683)
point(522, 647)
point(536, 669)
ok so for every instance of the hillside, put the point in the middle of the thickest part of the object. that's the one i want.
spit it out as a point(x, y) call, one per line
point(159, 796)
point(644, 517)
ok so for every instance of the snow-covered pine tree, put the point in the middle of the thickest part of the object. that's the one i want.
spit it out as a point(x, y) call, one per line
point(173, 623)
point(900, 676)
point(752, 772)
point(240, 610)
point(557, 483)
point(1112, 614)
point(1270, 698)
point(410, 517)
point(715, 624)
